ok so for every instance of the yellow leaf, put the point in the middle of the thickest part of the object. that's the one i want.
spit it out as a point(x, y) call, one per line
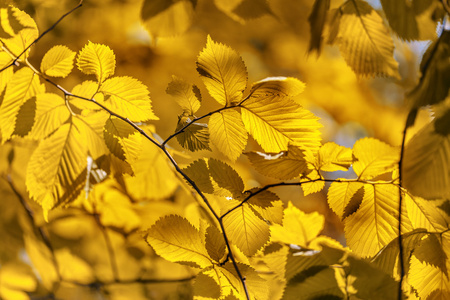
point(298, 228)
point(426, 214)
point(175, 239)
point(345, 198)
point(6, 74)
point(57, 168)
point(186, 95)
point(227, 133)
point(98, 60)
point(284, 165)
point(206, 287)
point(317, 20)
point(195, 136)
point(257, 286)
point(23, 85)
point(58, 61)
point(198, 171)
point(17, 280)
point(215, 244)
point(165, 18)
point(129, 98)
point(268, 205)
point(87, 89)
point(375, 223)
point(426, 163)
point(223, 72)
point(148, 183)
point(374, 158)
point(363, 39)
point(226, 177)
point(312, 183)
point(277, 87)
point(20, 29)
point(242, 10)
point(73, 268)
point(51, 113)
point(333, 157)
point(248, 232)
point(275, 120)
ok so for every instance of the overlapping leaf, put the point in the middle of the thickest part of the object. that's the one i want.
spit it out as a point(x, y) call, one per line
point(227, 133)
point(345, 198)
point(128, 97)
point(98, 60)
point(226, 177)
point(186, 95)
point(317, 20)
point(223, 72)
point(175, 239)
point(6, 74)
point(363, 39)
point(333, 157)
point(58, 61)
point(194, 137)
point(242, 10)
point(22, 86)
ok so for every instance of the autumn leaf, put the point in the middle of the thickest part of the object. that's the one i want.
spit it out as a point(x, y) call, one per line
point(98, 60)
point(194, 137)
point(186, 95)
point(58, 61)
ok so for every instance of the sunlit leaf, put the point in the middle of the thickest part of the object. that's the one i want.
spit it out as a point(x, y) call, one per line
point(345, 198)
point(186, 95)
point(275, 121)
point(298, 227)
point(166, 18)
point(214, 243)
point(58, 61)
point(317, 20)
point(374, 157)
point(129, 98)
point(195, 136)
point(206, 286)
point(98, 60)
point(223, 72)
point(227, 133)
point(246, 230)
point(87, 89)
point(242, 10)
point(268, 205)
point(176, 240)
point(6, 74)
point(312, 184)
point(226, 177)
point(25, 118)
point(363, 39)
point(23, 85)
point(333, 157)
point(17, 281)
point(284, 165)
point(199, 173)
point(375, 223)
point(74, 268)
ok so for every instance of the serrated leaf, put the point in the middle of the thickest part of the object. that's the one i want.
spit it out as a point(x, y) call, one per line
point(375, 223)
point(129, 98)
point(298, 227)
point(312, 184)
point(345, 198)
point(206, 286)
point(23, 85)
point(275, 121)
point(25, 118)
point(6, 74)
point(257, 286)
point(433, 86)
point(51, 113)
point(426, 163)
point(223, 72)
point(268, 205)
point(428, 272)
point(175, 239)
point(98, 60)
point(363, 39)
point(333, 157)
point(273, 87)
point(122, 140)
point(194, 137)
point(248, 232)
point(227, 133)
point(283, 165)
point(374, 157)
point(186, 95)
point(426, 214)
point(226, 177)
point(21, 31)
point(199, 173)
point(215, 243)
point(87, 89)
point(58, 61)
point(317, 20)
point(61, 177)
point(162, 18)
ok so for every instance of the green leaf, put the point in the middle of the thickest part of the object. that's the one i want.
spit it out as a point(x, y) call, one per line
point(129, 98)
point(426, 162)
point(223, 72)
point(317, 20)
point(175, 239)
point(23, 85)
point(275, 120)
point(375, 223)
point(51, 113)
point(284, 165)
point(165, 18)
point(433, 86)
point(186, 95)
point(333, 157)
point(374, 158)
point(226, 177)
point(363, 39)
point(58, 61)
point(248, 232)
point(195, 136)
point(227, 133)
point(98, 60)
